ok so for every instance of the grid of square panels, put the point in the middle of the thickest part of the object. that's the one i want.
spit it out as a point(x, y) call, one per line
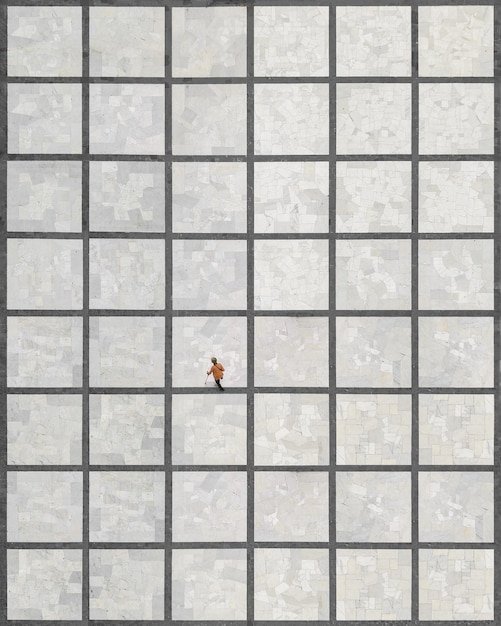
point(318, 213)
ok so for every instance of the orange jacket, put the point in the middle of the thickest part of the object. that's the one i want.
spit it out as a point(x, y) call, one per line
point(217, 371)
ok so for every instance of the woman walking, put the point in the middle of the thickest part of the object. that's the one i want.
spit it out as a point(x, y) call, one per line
point(216, 370)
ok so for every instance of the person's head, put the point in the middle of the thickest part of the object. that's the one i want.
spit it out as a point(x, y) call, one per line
point(214, 360)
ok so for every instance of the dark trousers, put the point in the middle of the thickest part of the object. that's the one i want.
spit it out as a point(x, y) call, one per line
point(218, 383)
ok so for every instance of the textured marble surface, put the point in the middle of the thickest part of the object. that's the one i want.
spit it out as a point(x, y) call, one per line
point(126, 429)
point(373, 585)
point(209, 430)
point(209, 41)
point(44, 274)
point(209, 197)
point(291, 429)
point(44, 41)
point(373, 41)
point(291, 351)
point(209, 275)
point(126, 41)
point(126, 196)
point(291, 197)
point(209, 506)
point(44, 429)
point(209, 584)
point(291, 274)
point(291, 41)
point(373, 118)
point(291, 506)
point(44, 584)
point(44, 118)
point(44, 506)
point(291, 584)
point(373, 429)
point(126, 584)
point(373, 506)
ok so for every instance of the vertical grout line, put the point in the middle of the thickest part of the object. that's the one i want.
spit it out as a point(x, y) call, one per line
point(85, 312)
point(497, 311)
point(415, 314)
point(250, 312)
point(168, 320)
point(332, 314)
point(3, 306)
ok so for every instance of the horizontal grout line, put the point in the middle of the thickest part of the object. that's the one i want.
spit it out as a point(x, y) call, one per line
point(257, 468)
point(189, 545)
point(259, 390)
point(241, 80)
point(369, 236)
point(244, 313)
point(257, 158)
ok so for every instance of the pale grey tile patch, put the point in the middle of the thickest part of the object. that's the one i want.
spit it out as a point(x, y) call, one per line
point(44, 351)
point(291, 351)
point(373, 429)
point(209, 119)
point(127, 119)
point(44, 274)
point(209, 506)
point(127, 584)
point(126, 41)
point(209, 197)
point(291, 506)
point(291, 429)
point(44, 196)
point(456, 352)
point(456, 118)
point(373, 506)
point(44, 506)
point(209, 584)
point(44, 429)
point(126, 429)
point(291, 119)
point(456, 429)
point(209, 275)
point(291, 197)
point(44, 41)
point(291, 41)
point(373, 118)
point(127, 196)
point(291, 584)
point(44, 584)
point(126, 506)
point(373, 41)
point(209, 430)
point(373, 585)
point(456, 584)
point(209, 41)
point(45, 118)
point(291, 274)
point(456, 40)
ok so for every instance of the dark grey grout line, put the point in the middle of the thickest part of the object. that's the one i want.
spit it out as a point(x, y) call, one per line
point(3, 318)
point(168, 324)
point(332, 318)
point(185, 545)
point(250, 313)
point(213, 3)
point(415, 317)
point(267, 158)
point(243, 313)
point(257, 468)
point(243, 390)
point(369, 236)
point(85, 313)
point(266, 80)
point(497, 314)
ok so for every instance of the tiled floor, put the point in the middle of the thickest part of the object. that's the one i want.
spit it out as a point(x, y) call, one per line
point(309, 191)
